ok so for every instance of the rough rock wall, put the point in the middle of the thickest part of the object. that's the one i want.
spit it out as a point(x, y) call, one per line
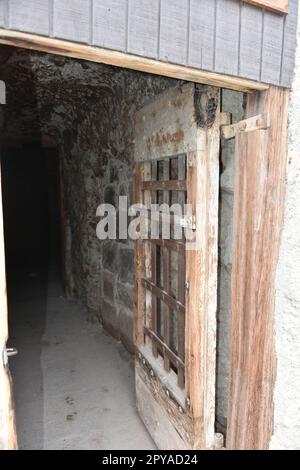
point(232, 102)
point(287, 317)
point(88, 110)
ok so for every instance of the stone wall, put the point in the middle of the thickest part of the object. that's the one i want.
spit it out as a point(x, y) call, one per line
point(87, 109)
point(232, 102)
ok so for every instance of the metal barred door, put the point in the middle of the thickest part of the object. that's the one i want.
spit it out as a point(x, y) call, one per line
point(177, 162)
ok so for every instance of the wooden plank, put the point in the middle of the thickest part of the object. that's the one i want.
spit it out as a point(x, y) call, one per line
point(165, 253)
point(143, 27)
point(150, 197)
point(163, 295)
point(227, 36)
point(168, 353)
point(260, 168)
point(289, 45)
point(119, 59)
point(8, 436)
point(279, 6)
point(272, 48)
point(147, 199)
point(171, 185)
point(166, 308)
point(110, 24)
point(163, 134)
point(201, 274)
point(250, 42)
point(154, 299)
point(71, 20)
point(29, 15)
point(139, 293)
point(174, 31)
point(181, 318)
point(201, 34)
point(181, 280)
point(170, 244)
point(262, 121)
point(160, 414)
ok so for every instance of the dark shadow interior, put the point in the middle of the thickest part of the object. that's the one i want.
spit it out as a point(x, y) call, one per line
point(30, 188)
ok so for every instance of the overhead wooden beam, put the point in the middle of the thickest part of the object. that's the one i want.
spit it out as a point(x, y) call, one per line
point(278, 6)
point(251, 124)
point(260, 167)
point(120, 59)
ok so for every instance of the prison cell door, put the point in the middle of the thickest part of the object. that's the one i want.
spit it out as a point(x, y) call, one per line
point(177, 161)
point(7, 420)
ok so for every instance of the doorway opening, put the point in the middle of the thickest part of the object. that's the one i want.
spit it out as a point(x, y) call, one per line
point(72, 123)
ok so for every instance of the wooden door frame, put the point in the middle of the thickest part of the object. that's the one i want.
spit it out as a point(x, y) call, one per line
point(255, 373)
point(260, 169)
point(8, 435)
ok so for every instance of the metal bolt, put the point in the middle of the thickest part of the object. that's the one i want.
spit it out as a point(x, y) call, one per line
point(140, 356)
point(180, 409)
point(188, 402)
point(167, 393)
point(151, 373)
point(144, 362)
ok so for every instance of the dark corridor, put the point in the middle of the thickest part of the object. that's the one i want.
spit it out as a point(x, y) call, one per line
point(30, 191)
point(30, 188)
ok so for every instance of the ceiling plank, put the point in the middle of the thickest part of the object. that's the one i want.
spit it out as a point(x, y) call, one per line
point(130, 61)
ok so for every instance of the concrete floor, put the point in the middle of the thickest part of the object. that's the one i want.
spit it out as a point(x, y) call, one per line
point(73, 384)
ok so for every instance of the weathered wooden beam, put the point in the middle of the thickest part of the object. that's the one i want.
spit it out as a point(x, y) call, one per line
point(164, 296)
point(130, 61)
point(8, 436)
point(278, 6)
point(173, 245)
point(201, 273)
point(168, 352)
point(260, 167)
point(171, 185)
point(254, 123)
point(139, 293)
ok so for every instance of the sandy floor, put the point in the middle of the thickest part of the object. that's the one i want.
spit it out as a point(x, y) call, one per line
point(73, 384)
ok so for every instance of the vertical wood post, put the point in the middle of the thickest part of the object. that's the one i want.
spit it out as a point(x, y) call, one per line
point(260, 168)
point(201, 271)
point(139, 294)
point(8, 436)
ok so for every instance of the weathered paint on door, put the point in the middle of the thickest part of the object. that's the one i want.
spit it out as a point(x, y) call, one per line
point(175, 378)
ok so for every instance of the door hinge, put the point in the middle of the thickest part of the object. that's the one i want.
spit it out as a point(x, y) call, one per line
point(6, 353)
